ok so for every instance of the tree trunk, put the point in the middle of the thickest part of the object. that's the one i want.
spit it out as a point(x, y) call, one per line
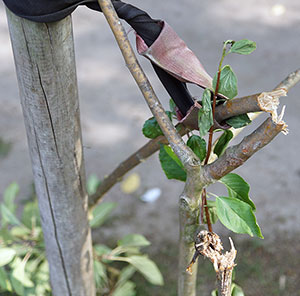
point(189, 224)
point(45, 66)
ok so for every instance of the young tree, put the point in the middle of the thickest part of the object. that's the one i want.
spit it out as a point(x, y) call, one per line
point(235, 211)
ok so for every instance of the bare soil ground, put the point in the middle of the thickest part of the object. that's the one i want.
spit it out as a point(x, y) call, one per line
point(113, 112)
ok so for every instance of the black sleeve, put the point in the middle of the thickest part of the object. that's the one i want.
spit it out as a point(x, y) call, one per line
point(148, 28)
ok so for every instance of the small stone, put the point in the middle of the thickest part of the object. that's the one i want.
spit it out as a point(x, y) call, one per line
point(151, 195)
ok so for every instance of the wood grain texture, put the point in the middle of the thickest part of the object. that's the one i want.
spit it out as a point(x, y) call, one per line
point(45, 66)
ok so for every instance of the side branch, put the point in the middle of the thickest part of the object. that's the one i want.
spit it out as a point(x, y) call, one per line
point(133, 160)
point(128, 164)
point(251, 103)
point(231, 108)
point(176, 142)
point(236, 107)
point(236, 155)
point(290, 81)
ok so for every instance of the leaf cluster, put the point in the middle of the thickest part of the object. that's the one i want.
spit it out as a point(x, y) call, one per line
point(236, 210)
point(111, 280)
point(24, 268)
point(112, 277)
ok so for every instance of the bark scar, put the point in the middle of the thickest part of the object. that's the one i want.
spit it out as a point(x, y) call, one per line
point(48, 111)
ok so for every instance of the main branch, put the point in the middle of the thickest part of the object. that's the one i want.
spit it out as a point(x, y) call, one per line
point(182, 151)
point(189, 200)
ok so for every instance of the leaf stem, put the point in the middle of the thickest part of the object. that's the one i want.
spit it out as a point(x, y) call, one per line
point(210, 141)
point(181, 150)
point(205, 208)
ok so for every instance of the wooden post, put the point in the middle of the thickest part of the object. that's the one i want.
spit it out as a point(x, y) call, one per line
point(45, 66)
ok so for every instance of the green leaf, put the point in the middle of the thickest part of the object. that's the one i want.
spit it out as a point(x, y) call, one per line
point(212, 212)
point(130, 251)
point(6, 236)
point(133, 240)
point(205, 117)
point(100, 275)
point(172, 107)
point(41, 289)
point(151, 128)
point(101, 249)
point(223, 142)
point(31, 215)
point(214, 292)
point(198, 145)
point(147, 268)
point(101, 213)
point(6, 255)
point(125, 274)
point(237, 216)
point(33, 264)
point(237, 188)
point(171, 164)
point(43, 273)
point(237, 291)
point(9, 196)
point(8, 216)
point(19, 231)
point(22, 276)
point(92, 184)
point(243, 46)
point(228, 82)
point(127, 289)
point(233, 277)
point(17, 286)
point(238, 121)
point(4, 281)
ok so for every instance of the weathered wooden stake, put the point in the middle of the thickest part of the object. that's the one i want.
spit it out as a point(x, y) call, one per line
point(45, 66)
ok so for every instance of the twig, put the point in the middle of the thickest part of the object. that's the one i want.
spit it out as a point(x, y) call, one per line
point(250, 103)
point(204, 208)
point(209, 146)
point(211, 130)
point(132, 161)
point(182, 151)
point(235, 156)
point(290, 81)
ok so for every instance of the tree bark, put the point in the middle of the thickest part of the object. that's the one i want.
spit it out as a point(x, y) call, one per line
point(45, 66)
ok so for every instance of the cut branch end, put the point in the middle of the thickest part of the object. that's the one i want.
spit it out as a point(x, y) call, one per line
point(269, 102)
point(210, 246)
